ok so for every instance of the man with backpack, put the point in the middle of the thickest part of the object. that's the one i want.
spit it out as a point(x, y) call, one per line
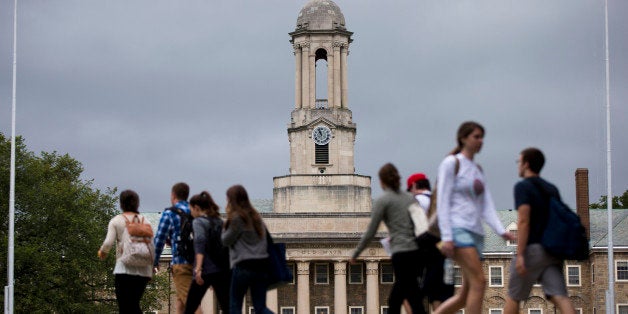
point(533, 263)
point(172, 225)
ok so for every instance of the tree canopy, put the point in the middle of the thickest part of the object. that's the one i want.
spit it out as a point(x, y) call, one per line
point(619, 202)
point(60, 222)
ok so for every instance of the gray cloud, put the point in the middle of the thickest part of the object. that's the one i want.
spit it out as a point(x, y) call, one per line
point(148, 93)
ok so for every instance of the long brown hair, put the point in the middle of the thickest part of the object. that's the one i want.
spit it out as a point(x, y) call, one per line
point(239, 205)
point(206, 203)
point(464, 130)
point(390, 177)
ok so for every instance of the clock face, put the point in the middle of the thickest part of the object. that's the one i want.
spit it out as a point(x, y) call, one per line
point(321, 135)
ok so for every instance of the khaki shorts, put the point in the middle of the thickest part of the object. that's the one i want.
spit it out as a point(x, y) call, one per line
point(540, 267)
point(182, 277)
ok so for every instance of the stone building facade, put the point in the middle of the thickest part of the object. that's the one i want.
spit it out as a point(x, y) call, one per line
point(321, 207)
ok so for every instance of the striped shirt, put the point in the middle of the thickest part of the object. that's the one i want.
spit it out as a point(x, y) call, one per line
point(169, 230)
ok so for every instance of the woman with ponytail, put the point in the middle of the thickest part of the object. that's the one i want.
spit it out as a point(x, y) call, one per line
point(464, 201)
point(207, 269)
point(245, 234)
point(392, 209)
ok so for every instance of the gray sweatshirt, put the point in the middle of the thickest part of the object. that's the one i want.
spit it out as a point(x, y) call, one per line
point(243, 242)
point(392, 208)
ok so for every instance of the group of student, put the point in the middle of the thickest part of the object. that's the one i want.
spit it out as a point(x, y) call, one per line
point(243, 232)
point(462, 204)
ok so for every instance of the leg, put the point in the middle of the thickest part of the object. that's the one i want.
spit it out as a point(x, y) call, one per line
point(407, 267)
point(472, 272)
point(563, 303)
point(182, 276)
point(258, 292)
point(195, 296)
point(239, 285)
point(122, 295)
point(511, 307)
point(220, 283)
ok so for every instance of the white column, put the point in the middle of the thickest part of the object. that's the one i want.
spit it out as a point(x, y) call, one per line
point(330, 79)
point(297, 76)
point(271, 300)
point(336, 70)
point(305, 75)
point(345, 87)
point(303, 287)
point(312, 66)
point(372, 287)
point(340, 287)
point(208, 304)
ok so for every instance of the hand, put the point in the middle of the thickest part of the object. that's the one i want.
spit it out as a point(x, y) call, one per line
point(447, 248)
point(197, 277)
point(155, 269)
point(520, 265)
point(509, 236)
point(102, 255)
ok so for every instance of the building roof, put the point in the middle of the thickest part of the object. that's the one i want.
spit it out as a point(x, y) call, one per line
point(320, 15)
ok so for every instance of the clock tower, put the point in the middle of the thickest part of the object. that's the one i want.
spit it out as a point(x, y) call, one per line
point(321, 130)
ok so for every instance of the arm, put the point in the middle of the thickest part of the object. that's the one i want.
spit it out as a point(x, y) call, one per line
point(490, 215)
point(165, 222)
point(376, 217)
point(232, 231)
point(109, 241)
point(200, 228)
point(445, 186)
point(523, 231)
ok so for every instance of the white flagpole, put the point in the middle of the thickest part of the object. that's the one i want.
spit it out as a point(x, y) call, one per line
point(610, 293)
point(8, 290)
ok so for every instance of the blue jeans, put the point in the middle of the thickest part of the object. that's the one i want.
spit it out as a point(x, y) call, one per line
point(249, 274)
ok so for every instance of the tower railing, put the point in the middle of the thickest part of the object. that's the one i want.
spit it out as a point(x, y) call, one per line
point(321, 104)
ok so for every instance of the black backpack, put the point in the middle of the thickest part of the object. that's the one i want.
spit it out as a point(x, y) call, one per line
point(218, 253)
point(564, 235)
point(185, 241)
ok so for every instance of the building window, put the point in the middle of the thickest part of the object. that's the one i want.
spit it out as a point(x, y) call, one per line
point(356, 310)
point(512, 228)
point(496, 276)
point(457, 276)
point(495, 311)
point(386, 273)
point(321, 154)
point(535, 311)
point(579, 311)
point(622, 308)
point(321, 272)
point(573, 275)
point(355, 273)
point(321, 310)
point(621, 270)
point(592, 273)
point(288, 310)
point(251, 310)
point(291, 267)
point(383, 310)
point(460, 312)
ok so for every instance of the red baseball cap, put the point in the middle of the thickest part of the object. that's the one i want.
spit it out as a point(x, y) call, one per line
point(414, 178)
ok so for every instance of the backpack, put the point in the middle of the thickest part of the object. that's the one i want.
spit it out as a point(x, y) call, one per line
point(218, 253)
point(137, 243)
point(564, 235)
point(185, 240)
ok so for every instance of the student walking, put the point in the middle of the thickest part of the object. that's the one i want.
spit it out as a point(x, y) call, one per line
point(433, 286)
point(532, 263)
point(464, 201)
point(170, 230)
point(392, 209)
point(130, 281)
point(208, 270)
point(245, 234)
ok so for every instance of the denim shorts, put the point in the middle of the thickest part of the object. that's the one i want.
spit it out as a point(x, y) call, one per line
point(466, 238)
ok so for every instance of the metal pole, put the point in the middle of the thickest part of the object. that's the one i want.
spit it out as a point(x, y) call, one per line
point(610, 296)
point(8, 305)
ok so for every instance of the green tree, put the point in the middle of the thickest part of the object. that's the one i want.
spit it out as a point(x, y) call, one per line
point(60, 222)
point(620, 201)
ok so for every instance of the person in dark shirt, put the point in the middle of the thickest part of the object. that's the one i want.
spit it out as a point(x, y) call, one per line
point(532, 263)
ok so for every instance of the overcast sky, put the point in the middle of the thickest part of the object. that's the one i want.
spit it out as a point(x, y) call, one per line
point(146, 93)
